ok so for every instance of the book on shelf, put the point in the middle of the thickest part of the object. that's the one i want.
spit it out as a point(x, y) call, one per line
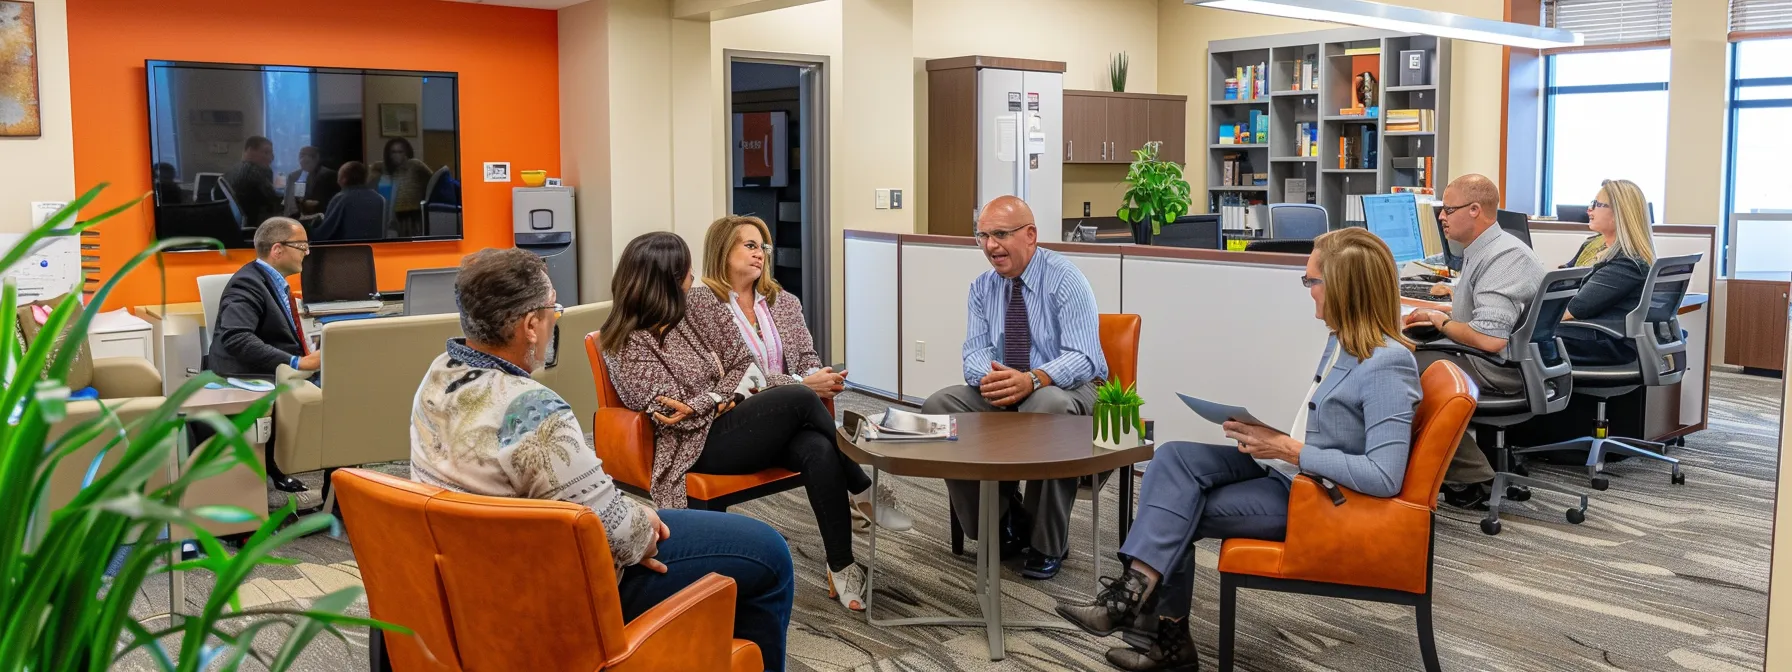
point(1252, 82)
point(1363, 51)
point(1259, 179)
point(1422, 191)
point(1368, 148)
point(1231, 88)
point(1353, 210)
point(1259, 127)
point(1294, 190)
point(1309, 73)
point(1228, 134)
point(1406, 121)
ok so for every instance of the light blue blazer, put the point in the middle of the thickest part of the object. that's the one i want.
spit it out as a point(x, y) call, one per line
point(1359, 426)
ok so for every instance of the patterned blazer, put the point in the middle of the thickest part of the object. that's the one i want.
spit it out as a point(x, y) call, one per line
point(787, 315)
point(702, 354)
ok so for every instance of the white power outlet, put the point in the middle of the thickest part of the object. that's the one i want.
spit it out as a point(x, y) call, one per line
point(920, 351)
point(264, 430)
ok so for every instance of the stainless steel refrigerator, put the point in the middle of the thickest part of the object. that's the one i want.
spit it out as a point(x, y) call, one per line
point(1020, 140)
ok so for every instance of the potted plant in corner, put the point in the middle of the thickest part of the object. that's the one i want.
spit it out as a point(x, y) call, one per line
point(1156, 193)
point(1117, 421)
point(69, 574)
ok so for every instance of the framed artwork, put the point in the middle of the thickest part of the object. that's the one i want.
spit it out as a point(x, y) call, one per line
point(398, 120)
point(20, 114)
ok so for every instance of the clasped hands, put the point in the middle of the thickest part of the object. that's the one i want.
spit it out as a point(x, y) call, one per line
point(1004, 387)
point(1262, 442)
point(660, 533)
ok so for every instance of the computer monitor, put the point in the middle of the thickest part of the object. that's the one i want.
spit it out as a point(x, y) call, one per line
point(1516, 223)
point(430, 291)
point(1571, 213)
point(1201, 232)
point(1395, 219)
point(339, 273)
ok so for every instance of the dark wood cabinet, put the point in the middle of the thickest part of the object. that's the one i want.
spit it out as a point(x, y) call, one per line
point(1755, 323)
point(1104, 126)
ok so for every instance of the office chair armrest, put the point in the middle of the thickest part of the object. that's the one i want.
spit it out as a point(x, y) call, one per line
point(1367, 541)
point(126, 377)
point(1595, 327)
point(1460, 349)
point(624, 441)
point(689, 631)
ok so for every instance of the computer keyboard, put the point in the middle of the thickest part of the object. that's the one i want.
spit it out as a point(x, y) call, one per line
point(330, 307)
point(1420, 291)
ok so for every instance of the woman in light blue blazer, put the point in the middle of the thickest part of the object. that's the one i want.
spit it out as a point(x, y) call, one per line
point(1356, 429)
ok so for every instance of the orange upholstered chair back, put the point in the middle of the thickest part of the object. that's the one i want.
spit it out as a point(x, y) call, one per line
point(600, 372)
point(1447, 404)
point(1120, 344)
point(488, 583)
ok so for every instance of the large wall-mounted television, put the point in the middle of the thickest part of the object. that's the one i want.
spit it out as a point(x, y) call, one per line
point(357, 155)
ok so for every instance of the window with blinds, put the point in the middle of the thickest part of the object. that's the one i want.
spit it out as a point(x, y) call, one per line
point(1759, 16)
point(1605, 22)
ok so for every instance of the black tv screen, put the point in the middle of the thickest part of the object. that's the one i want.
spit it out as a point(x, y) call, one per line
point(356, 155)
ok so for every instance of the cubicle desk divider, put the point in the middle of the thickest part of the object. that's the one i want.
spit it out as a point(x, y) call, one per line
point(1234, 327)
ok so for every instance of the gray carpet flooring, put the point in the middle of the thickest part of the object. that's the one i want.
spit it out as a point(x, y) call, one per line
point(1660, 577)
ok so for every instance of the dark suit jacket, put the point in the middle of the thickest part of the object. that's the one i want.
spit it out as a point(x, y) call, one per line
point(356, 213)
point(253, 186)
point(252, 335)
point(319, 186)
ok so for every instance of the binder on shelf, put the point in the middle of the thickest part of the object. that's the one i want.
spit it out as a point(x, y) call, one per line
point(1228, 134)
point(1415, 67)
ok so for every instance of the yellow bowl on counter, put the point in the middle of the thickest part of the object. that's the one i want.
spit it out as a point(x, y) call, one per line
point(534, 178)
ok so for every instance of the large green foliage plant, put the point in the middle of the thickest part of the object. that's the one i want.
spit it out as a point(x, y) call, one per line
point(1155, 190)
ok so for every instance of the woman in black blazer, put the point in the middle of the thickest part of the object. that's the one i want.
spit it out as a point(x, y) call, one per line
point(1619, 215)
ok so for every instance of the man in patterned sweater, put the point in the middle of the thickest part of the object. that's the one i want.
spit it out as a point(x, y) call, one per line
point(481, 424)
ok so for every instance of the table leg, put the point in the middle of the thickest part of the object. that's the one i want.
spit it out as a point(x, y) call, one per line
point(1126, 503)
point(1095, 529)
point(989, 559)
point(871, 562)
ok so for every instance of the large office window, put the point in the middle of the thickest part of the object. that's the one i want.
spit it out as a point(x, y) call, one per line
point(1760, 113)
point(1606, 118)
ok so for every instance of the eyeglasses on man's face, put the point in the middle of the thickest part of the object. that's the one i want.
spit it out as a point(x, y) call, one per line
point(1447, 210)
point(1000, 235)
point(299, 245)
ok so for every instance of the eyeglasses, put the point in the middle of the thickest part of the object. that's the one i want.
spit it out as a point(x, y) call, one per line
point(765, 248)
point(1310, 282)
point(1001, 235)
point(1597, 204)
point(558, 309)
point(1451, 209)
point(299, 245)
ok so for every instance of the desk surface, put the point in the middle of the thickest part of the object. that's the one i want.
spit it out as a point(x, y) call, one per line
point(1000, 446)
point(196, 311)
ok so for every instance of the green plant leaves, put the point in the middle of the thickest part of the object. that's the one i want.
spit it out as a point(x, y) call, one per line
point(1155, 189)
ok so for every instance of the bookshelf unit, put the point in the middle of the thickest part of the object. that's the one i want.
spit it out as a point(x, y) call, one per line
point(1311, 78)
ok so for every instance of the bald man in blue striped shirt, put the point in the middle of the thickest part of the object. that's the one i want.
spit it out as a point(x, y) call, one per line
point(1032, 344)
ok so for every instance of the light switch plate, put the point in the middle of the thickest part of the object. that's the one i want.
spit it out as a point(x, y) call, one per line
point(895, 199)
point(920, 351)
point(882, 199)
point(264, 430)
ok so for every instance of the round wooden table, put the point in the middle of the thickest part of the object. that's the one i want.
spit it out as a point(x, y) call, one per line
point(991, 448)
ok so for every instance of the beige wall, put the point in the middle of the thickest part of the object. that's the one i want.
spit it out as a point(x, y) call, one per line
point(1081, 33)
point(1475, 76)
point(585, 138)
point(41, 168)
point(1696, 115)
point(1779, 602)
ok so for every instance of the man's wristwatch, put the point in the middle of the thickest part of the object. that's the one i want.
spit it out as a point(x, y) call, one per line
point(1035, 376)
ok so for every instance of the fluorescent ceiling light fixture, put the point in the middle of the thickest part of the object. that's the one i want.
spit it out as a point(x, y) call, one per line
point(1405, 20)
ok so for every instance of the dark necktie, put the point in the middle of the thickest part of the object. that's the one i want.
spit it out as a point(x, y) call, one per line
point(1017, 337)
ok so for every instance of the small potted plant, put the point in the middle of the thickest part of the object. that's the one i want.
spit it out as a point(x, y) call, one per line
point(1117, 421)
point(1156, 194)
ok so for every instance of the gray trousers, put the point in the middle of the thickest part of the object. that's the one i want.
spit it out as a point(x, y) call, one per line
point(1470, 463)
point(1049, 501)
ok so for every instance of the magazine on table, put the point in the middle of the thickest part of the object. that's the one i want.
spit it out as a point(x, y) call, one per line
point(900, 425)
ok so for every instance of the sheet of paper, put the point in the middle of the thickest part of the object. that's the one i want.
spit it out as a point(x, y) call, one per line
point(1005, 137)
point(1217, 413)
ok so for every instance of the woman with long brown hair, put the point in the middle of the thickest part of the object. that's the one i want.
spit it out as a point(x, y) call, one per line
point(685, 368)
point(1355, 428)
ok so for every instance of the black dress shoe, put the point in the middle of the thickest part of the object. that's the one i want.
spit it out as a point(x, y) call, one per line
point(1117, 606)
point(1041, 566)
point(285, 483)
point(1169, 649)
point(1471, 496)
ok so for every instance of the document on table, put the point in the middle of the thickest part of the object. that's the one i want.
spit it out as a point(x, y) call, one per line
point(1217, 413)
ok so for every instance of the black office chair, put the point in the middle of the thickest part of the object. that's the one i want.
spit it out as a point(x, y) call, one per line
point(1536, 353)
point(207, 219)
point(1654, 328)
point(236, 209)
point(441, 213)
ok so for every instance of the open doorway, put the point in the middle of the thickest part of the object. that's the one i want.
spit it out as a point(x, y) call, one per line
point(776, 116)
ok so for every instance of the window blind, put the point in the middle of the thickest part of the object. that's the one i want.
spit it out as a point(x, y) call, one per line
point(1615, 21)
point(1755, 16)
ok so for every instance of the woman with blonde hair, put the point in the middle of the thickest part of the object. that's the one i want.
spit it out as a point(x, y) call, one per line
point(1354, 427)
point(737, 290)
point(1620, 216)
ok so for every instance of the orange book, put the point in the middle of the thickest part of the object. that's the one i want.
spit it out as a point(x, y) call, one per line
point(1341, 157)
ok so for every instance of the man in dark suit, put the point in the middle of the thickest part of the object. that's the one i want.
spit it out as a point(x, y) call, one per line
point(252, 181)
point(308, 189)
point(358, 212)
point(257, 330)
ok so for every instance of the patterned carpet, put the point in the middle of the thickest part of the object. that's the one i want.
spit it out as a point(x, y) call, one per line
point(1659, 578)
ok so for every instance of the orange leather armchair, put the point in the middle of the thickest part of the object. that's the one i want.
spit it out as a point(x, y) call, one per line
point(624, 441)
point(1367, 548)
point(447, 565)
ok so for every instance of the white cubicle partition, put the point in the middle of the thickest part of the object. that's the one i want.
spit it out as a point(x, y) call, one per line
point(871, 308)
point(1103, 272)
point(1241, 334)
point(936, 281)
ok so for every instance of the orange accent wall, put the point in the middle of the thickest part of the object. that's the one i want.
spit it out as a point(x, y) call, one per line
point(507, 59)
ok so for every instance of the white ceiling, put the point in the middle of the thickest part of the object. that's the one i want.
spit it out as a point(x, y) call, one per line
point(532, 4)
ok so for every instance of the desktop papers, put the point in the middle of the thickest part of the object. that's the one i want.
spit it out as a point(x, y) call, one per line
point(1220, 413)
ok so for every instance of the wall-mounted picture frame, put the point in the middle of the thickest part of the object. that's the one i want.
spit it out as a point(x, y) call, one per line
point(20, 108)
point(398, 120)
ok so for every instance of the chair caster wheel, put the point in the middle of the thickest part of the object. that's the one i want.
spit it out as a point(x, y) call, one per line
point(1678, 479)
point(1518, 493)
point(1600, 483)
point(1577, 516)
point(1490, 527)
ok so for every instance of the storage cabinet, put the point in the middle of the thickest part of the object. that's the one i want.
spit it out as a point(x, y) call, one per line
point(1105, 126)
point(1755, 325)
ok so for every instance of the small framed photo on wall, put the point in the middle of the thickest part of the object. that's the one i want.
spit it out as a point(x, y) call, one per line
point(20, 114)
point(398, 120)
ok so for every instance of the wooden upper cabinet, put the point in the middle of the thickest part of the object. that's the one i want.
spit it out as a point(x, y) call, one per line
point(1085, 128)
point(1104, 127)
point(1167, 122)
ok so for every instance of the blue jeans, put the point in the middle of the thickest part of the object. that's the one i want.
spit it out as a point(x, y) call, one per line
point(1195, 491)
point(737, 547)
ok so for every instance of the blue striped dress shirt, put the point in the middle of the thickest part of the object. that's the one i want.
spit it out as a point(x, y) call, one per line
point(1060, 314)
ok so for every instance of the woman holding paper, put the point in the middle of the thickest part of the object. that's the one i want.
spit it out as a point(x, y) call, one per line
point(689, 370)
point(1355, 429)
point(770, 323)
